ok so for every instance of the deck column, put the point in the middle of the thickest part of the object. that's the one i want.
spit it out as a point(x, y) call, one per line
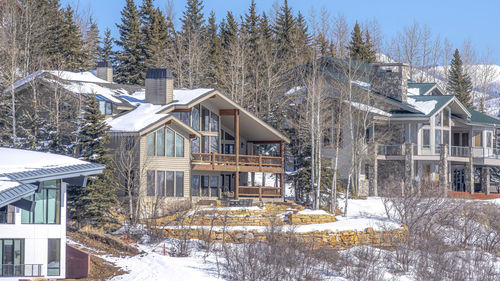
point(282, 174)
point(237, 153)
point(373, 173)
point(409, 168)
point(485, 180)
point(469, 174)
point(443, 169)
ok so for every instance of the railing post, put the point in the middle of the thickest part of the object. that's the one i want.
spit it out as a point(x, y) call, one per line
point(213, 159)
point(260, 193)
point(260, 162)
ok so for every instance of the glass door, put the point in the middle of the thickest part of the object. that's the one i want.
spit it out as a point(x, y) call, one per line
point(12, 252)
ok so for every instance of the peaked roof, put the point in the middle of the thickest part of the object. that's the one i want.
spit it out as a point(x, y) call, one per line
point(423, 88)
point(481, 118)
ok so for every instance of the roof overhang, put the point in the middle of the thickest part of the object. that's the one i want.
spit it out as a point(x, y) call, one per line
point(168, 120)
point(248, 121)
point(455, 106)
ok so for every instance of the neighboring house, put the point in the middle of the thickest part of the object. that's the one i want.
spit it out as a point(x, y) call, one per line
point(421, 134)
point(33, 211)
point(198, 143)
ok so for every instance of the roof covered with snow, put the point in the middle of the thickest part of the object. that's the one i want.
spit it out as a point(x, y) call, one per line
point(19, 168)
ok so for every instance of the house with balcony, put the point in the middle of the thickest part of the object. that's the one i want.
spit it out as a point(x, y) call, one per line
point(421, 134)
point(198, 143)
point(33, 211)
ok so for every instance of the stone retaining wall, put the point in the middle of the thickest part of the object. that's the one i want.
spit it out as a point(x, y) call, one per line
point(336, 240)
point(298, 219)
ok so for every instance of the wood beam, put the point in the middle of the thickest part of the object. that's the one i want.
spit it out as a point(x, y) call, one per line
point(223, 112)
point(183, 110)
point(282, 174)
point(237, 152)
point(266, 142)
point(192, 136)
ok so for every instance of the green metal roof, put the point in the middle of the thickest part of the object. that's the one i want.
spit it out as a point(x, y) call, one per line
point(422, 87)
point(481, 118)
point(440, 102)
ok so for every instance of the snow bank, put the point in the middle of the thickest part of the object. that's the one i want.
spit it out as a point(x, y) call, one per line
point(413, 91)
point(369, 108)
point(185, 96)
point(86, 76)
point(312, 212)
point(424, 106)
point(19, 160)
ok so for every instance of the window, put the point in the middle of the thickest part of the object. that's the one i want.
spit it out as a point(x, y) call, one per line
point(489, 137)
point(478, 138)
point(214, 144)
point(195, 185)
point(150, 140)
point(446, 117)
point(426, 138)
point(214, 122)
point(109, 108)
point(179, 146)
point(438, 137)
point(160, 142)
point(184, 117)
point(196, 117)
point(228, 136)
point(151, 183)
point(214, 186)
point(106, 108)
point(12, 253)
point(446, 137)
point(54, 257)
point(437, 119)
point(195, 145)
point(160, 183)
point(179, 184)
point(205, 145)
point(47, 205)
point(205, 186)
point(170, 184)
point(170, 143)
point(102, 107)
point(205, 119)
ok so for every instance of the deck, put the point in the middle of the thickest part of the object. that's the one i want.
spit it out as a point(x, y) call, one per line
point(475, 195)
point(233, 163)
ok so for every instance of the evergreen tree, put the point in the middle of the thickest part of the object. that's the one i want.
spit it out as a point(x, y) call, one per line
point(93, 203)
point(369, 53)
point(106, 50)
point(459, 82)
point(72, 53)
point(130, 67)
point(356, 45)
point(154, 29)
point(214, 51)
point(285, 29)
point(192, 20)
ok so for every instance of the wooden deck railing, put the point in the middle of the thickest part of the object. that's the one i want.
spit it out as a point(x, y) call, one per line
point(230, 159)
point(260, 191)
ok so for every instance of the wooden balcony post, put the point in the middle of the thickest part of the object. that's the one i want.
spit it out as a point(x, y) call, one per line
point(212, 160)
point(282, 175)
point(260, 193)
point(237, 152)
point(260, 162)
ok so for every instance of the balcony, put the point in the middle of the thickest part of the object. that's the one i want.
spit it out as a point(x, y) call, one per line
point(395, 150)
point(21, 270)
point(233, 163)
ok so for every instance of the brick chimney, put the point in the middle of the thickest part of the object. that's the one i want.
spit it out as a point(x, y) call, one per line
point(159, 86)
point(105, 71)
point(391, 80)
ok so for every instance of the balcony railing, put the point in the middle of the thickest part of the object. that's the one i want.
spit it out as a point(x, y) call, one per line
point(260, 191)
point(456, 151)
point(230, 160)
point(21, 270)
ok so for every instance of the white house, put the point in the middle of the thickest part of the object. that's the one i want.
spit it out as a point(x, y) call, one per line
point(33, 211)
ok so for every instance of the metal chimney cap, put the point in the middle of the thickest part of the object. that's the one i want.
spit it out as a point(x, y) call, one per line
point(159, 73)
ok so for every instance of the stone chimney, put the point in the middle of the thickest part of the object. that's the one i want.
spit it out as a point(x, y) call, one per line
point(105, 71)
point(159, 86)
point(391, 80)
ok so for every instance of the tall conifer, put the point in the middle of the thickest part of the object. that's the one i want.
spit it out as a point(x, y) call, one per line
point(459, 82)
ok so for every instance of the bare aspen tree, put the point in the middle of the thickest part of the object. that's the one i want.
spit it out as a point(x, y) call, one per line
point(486, 74)
point(406, 47)
point(340, 35)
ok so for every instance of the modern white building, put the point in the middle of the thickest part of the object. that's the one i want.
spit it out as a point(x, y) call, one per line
point(33, 211)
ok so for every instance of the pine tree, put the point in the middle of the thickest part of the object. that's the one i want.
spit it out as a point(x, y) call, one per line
point(285, 29)
point(106, 52)
point(192, 20)
point(71, 44)
point(93, 203)
point(369, 53)
point(154, 30)
point(356, 46)
point(459, 82)
point(214, 52)
point(130, 67)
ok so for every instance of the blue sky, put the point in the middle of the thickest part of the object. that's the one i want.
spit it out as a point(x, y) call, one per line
point(456, 20)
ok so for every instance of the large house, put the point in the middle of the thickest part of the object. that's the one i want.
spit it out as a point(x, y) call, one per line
point(33, 211)
point(198, 143)
point(419, 133)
